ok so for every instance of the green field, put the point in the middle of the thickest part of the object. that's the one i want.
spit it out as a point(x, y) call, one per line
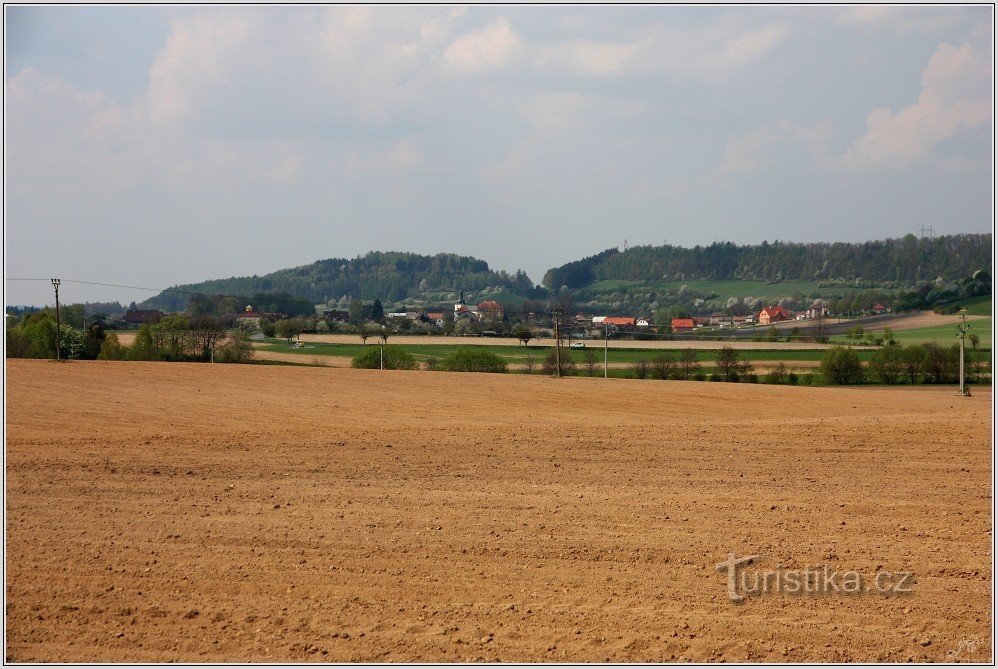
point(519, 354)
point(946, 334)
point(975, 306)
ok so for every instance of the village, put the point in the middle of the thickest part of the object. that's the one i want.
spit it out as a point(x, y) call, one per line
point(491, 314)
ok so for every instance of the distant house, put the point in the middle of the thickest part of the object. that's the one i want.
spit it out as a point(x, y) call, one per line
point(143, 316)
point(880, 309)
point(396, 314)
point(436, 317)
point(619, 321)
point(720, 318)
point(490, 310)
point(701, 321)
point(598, 320)
point(337, 315)
point(682, 324)
point(818, 308)
point(249, 317)
point(739, 320)
point(771, 315)
point(642, 323)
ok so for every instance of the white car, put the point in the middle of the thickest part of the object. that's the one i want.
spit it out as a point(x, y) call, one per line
point(578, 344)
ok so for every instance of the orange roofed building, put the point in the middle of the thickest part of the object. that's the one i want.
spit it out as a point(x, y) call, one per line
point(773, 315)
point(682, 324)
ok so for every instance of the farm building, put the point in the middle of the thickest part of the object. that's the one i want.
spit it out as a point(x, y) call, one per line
point(143, 316)
point(490, 310)
point(682, 324)
point(774, 315)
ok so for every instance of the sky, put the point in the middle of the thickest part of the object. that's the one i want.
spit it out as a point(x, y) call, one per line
point(156, 146)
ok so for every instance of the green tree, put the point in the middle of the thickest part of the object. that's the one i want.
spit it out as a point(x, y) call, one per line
point(841, 366)
point(288, 328)
point(111, 348)
point(143, 348)
point(236, 349)
point(524, 333)
point(729, 367)
point(689, 364)
point(942, 364)
point(887, 364)
point(913, 361)
point(663, 366)
point(206, 332)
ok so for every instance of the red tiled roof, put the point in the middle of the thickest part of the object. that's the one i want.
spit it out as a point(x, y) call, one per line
point(679, 323)
point(777, 311)
point(618, 320)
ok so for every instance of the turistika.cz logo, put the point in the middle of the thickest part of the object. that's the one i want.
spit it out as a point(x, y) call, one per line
point(817, 580)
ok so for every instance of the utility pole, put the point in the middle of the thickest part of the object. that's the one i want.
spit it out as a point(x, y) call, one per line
point(58, 323)
point(606, 346)
point(962, 330)
point(557, 343)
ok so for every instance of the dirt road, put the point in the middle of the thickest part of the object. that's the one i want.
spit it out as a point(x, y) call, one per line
point(186, 512)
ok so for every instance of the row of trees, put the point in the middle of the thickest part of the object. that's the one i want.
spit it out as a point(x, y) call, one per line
point(914, 364)
point(175, 338)
point(908, 260)
point(388, 276)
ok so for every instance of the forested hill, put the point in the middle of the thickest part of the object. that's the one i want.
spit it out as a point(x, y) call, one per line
point(388, 276)
point(907, 260)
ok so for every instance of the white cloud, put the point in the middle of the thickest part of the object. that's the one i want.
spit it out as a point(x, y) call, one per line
point(764, 147)
point(711, 51)
point(485, 49)
point(600, 59)
point(955, 96)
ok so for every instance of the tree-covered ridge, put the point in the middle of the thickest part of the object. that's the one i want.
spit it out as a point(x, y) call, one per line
point(388, 276)
point(907, 260)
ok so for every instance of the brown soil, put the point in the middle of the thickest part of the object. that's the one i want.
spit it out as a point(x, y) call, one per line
point(186, 512)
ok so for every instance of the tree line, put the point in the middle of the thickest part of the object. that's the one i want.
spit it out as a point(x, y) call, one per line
point(199, 338)
point(389, 276)
point(908, 260)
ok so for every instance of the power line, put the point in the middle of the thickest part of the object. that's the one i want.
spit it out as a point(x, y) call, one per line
point(175, 291)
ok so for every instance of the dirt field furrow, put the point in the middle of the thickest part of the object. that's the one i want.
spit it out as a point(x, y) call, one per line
point(195, 512)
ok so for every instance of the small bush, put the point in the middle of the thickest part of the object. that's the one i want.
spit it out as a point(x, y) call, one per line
point(640, 368)
point(237, 349)
point(476, 359)
point(395, 358)
point(841, 366)
point(567, 363)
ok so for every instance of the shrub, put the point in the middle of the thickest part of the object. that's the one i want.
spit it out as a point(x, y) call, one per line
point(663, 367)
point(841, 366)
point(551, 363)
point(395, 358)
point(778, 374)
point(111, 348)
point(913, 361)
point(886, 365)
point(237, 349)
point(640, 367)
point(729, 367)
point(477, 359)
